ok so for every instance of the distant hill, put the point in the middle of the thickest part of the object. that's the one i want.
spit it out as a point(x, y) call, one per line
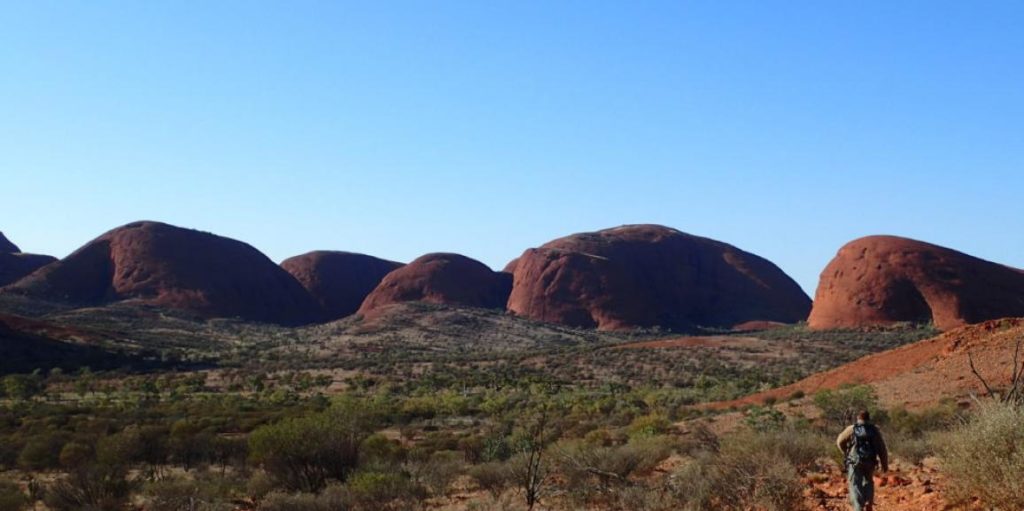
point(650, 276)
point(176, 268)
point(881, 280)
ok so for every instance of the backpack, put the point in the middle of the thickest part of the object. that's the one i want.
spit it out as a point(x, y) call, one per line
point(863, 455)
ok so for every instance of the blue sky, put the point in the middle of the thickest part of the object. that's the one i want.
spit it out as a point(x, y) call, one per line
point(398, 128)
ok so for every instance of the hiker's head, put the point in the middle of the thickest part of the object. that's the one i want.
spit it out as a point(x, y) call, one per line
point(863, 416)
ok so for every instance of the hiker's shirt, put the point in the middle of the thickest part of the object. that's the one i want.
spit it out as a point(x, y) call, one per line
point(845, 442)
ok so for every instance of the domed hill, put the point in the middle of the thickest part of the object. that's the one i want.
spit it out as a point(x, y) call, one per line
point(921, 374)
point(880, 280)
point(650, 275)
point(15, 265)
point(6, 247)
point(442, 278)
point(177, 268)
point(339, 281)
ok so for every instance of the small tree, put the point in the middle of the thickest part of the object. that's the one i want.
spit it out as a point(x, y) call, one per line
point(305, 453)
point(95, 486)
point(528, 469)
point(984, 457)
point(1015, 392)
point(23, 386)
point(839, 407)
point(11, 497)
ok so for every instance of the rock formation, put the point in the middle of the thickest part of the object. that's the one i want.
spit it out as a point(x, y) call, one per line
point(6, 247)
point(441, 278)
point(338, 281)
point(178, 268)
point(881, 280)
point(14, 264)
point(651, 276)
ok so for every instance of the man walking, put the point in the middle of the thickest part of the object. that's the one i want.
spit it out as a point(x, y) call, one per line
point(863, 448)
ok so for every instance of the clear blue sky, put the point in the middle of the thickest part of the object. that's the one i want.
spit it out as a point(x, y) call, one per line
point(398, 128)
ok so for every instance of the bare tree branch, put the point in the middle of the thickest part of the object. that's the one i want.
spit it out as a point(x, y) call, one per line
point(1014, 394)
point(988, 389)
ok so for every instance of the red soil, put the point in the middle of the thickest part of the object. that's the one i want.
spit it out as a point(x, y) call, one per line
point(921, 374)
point(757, 326)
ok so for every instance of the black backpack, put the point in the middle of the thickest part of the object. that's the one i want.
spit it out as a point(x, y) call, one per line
point(863, 454)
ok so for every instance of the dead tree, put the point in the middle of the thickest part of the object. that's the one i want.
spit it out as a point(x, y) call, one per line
point(528, 469)
point(1015, 393)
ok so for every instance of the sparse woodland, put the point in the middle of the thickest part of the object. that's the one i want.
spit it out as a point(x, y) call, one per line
point(269, 420)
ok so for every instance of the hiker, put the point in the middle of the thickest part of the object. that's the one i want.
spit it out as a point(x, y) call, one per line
point(863, 448)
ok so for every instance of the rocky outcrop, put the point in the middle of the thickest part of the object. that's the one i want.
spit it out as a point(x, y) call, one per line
point(6, 247)
point(881, 280)
point(14, 264)
point(177, 268)
point(650, 276)
point(338, 281)
point(442, 278)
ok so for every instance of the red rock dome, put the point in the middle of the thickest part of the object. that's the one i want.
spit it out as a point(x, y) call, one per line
point(651, 276)
point(6, 247)
point(441, 278)
point(880, 280)
point(14, 264)
point(14, 267)
point(177, 268)
point(338, 281)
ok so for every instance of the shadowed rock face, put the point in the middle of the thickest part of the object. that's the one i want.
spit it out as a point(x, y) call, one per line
point(6, 247)
point(177, 268)
point(880, 280)
point(648, 276)
point(443, 278)
point(338, 281)
point(14, 265)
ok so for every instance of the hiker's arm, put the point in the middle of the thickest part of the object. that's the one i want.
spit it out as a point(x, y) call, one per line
point(843, 440)
point(883, 451)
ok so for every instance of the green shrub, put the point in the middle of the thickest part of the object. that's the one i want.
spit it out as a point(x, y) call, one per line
point(913, 449)
point(692, 486)
point(207, 493)
point(94, 487)
point(437, 472)
point(985, 457)
point(383, 491)
point(764, 419)
point(333, 498)
point(42, 452)
point(915, 424)
point(649, 425)
point(11, 497)
point(738, 479)
point(800, 448)
point(751, 470)
point(75, 454)
point(839, 407)
point(381, 451)
point(587, 468)
point(493, 477)
point(305, 453)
